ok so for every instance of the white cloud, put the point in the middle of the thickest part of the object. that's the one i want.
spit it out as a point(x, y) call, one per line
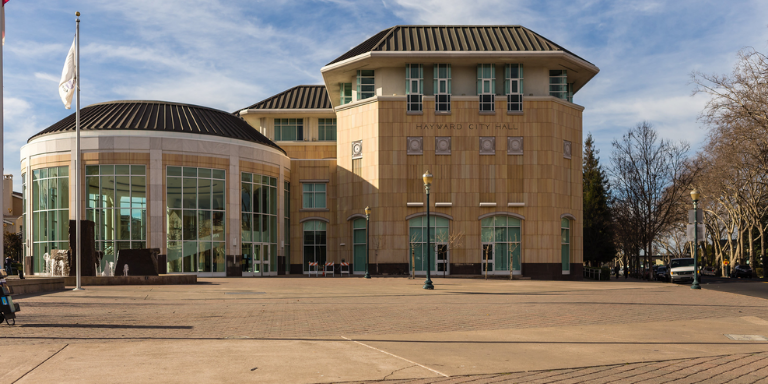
point(47, 77)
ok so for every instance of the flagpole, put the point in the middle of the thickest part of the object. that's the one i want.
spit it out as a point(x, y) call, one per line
point(2, 128)
point(77, 153)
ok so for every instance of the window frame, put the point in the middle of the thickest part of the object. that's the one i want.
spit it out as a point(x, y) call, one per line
point(261, 214)
point(565, 244)
point(413, 99)
point(215, 241)
point(513, 87)
point(345, 93)
point(46, 231)
point(359, 269)
point(442, 98)
point(324, 126)
point(486, 75)
point(366, 84)
point(314, 194)
point(559, 86)
point(316, 224)
point(439, 236)
point(97, 212)
point(296, 124)
point(508, 243)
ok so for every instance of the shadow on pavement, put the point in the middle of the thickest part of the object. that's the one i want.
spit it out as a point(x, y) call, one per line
point(106, 326)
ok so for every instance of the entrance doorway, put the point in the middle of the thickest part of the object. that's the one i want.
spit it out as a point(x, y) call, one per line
point(256, 260)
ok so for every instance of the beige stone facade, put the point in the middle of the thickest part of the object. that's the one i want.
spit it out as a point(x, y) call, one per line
point(493, 121)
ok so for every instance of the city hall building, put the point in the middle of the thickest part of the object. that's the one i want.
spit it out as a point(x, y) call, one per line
point(283, 184)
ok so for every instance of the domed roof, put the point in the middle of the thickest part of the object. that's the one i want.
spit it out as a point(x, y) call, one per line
point(159, 116)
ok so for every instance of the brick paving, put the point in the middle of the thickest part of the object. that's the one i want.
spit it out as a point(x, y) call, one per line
point(326, 309)
point(737, 369)
point(296, 308)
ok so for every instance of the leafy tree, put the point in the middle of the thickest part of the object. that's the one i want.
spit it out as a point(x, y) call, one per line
point(12, 245)
point(599, 246)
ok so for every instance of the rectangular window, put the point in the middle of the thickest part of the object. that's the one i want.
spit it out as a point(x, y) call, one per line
point(50, 214)
point(559, 86)
point(365, 84)
point(357, 167)
point(513, 87)
point(326, 129)
point(195, 207)
point(345, 90)
point(289, 129)
point(313, 196)
point(116, 201)
point(414, 86)
point(442, 87)
point(486, 87)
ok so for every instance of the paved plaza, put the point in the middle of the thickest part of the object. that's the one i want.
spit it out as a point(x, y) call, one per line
point(307, 330)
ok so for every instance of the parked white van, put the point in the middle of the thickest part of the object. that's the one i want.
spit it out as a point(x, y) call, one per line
point(681, 269)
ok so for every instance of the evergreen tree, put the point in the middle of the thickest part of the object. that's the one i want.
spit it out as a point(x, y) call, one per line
point(599, 244)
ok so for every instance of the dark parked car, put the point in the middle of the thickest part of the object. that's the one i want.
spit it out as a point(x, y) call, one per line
point(661, 274)
point(741, 271)
point(709, 271)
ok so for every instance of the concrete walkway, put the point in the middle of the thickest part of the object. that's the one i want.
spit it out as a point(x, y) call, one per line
point(352, 330)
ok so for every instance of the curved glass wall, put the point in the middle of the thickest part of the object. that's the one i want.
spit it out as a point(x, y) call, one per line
point(116, 202)
point(23, 217)
point(500, 236)
point(417, 232)
point(258, 223)
point(287, 224)
point(50, 213)
point(195, 212)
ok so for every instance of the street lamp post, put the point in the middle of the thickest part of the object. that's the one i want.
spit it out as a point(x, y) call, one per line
point(367, 237)
point(695, 197)
point(428, 183)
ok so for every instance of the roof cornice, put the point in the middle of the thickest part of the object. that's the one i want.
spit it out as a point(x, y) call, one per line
point(286, 111)
point(445, 54)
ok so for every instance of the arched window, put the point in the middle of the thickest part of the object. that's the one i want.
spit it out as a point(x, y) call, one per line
point(500, 236)
point(439, 235)
point(565, 244)
point(314, 243)
point(359, 246)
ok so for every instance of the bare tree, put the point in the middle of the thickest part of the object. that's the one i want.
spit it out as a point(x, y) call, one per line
point(513, 245)
point(454, 240)
point(377, 243)
point(650, 178)
point(412, 247)
point(738, 99)
point(737, 112)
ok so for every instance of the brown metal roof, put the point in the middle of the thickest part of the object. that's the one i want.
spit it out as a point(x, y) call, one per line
point(454, 38)
point(159, 116)
point(298, 97)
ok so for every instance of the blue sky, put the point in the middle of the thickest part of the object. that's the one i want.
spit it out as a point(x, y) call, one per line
point(230, 54)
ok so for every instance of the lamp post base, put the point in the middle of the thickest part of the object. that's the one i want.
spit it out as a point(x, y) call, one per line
point(695, 285)
point(367, 275)
point(428, 284)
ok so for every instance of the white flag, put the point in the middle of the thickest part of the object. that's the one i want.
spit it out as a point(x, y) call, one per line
point(67, 83)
